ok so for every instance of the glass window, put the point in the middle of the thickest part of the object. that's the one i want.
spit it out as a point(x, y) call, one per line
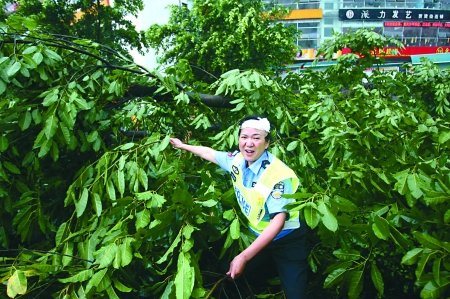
point(393, 31)
point(328, 21)
point(328, 6)
point(429, 32)
point(307, 43)
point(328, 32)
point(307, 24)
point(309, 33)
point(352, 3)
point(444, 32)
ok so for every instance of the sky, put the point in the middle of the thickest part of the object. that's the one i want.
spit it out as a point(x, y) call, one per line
point(155, 12)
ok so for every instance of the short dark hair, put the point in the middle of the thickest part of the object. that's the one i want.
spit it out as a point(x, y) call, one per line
point(257, 117)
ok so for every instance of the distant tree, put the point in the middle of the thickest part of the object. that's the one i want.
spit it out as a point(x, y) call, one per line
point(217, 36)
point(95, 20)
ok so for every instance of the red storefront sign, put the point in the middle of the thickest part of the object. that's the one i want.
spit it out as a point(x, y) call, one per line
point(417, 24)
point(408, 51)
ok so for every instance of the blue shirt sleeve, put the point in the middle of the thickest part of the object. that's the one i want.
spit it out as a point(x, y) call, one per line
point(224, 160)
point(276, 202)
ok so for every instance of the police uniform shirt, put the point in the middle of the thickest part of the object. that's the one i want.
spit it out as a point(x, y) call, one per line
point(275, 203)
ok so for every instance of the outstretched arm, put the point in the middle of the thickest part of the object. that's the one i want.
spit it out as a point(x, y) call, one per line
point(204, 152)
point(237, 265)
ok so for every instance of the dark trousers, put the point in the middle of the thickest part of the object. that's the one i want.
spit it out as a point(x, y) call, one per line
point(286, 257)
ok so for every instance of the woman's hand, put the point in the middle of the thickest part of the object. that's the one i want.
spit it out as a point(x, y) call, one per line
point(237, 266)
point(176, 143)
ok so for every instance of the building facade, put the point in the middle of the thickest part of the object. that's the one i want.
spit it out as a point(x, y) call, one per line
point(423, 26)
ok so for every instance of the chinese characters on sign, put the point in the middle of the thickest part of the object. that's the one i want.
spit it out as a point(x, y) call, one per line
point(393, 14)
point(417, 24)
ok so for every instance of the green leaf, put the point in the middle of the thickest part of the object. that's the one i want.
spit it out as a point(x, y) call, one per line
point(347, 254)
point(2, 87)
point(80, 205)
point(79, 277)
point(170, 249)
point(246, 83)
point(97, 202)
point(51, 124)
point(185, 277)
point(437, 270)
point(423, 261)
point(17, 284)
point(413, 185)
point(11, 167)
point(355, 284)
point(81, 103)
point(444, 136)
point(95, 280)
point(207, 203)
point(229, 215)
point(401, 185)
point(111, 190)
point(13, 69)
point(399, 238)
point(121, 182)
point(29, 50)
point(4, 143)
point(121, 287)
point(111, 292)
point(126, 146)
point(377, 279)
point(292, 145)
point(430, 242)
point(410, 258)
point(328, 219)
point(52, 54)
point(335, 277)
point(25, 121)
point(60, 233)
point(51, 97)
point(142, 219)
point(143, 178)
point(105, 255)
point(447, 217)
point(67, 253)
point(187, 231)
point(38, 57)
point(344, 204)
point(235, 231)
point(126, 252)
point(380, 227)
point(164, 143)
point(311, 214)
point(168, 291)
point(432, 290)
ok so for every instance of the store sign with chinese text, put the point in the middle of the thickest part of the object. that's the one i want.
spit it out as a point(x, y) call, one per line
point(388, 52)
point(417, 24)
point(408, 51)
point(393, 14)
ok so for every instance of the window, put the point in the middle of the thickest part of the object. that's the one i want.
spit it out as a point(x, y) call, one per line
point(393, 31)
point(328, 32)
point(328, 6)
point(328, 21)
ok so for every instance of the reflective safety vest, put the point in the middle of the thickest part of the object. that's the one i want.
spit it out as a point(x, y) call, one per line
point(252, 199)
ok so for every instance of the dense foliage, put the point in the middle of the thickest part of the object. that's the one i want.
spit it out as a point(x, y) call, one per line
point(90, 210)
point(216, 36)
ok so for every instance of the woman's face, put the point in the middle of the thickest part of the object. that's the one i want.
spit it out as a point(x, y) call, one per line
point(252, 144)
